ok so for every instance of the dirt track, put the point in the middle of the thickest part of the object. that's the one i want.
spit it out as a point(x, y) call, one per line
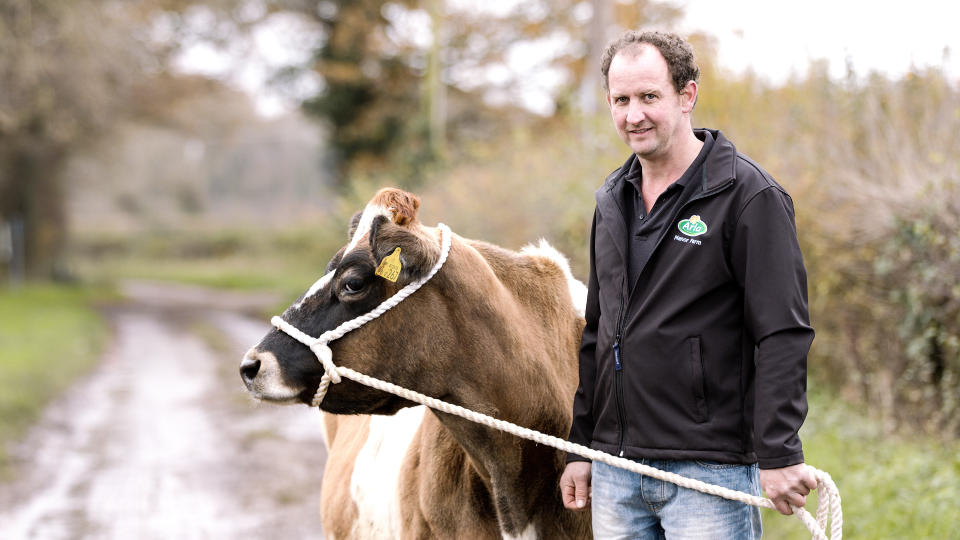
point(161, 441)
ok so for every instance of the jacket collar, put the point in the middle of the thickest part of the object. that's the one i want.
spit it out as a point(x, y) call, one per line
point(718, 168)
point(608, 205)
point(721, 163)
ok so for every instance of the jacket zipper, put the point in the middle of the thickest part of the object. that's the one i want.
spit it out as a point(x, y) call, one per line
point(618, 366)
point(621, 318)
point(619, 381)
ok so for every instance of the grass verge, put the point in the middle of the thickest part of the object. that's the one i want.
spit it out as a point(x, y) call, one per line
point(892, 486)
point(284, 262)
point(49, 335)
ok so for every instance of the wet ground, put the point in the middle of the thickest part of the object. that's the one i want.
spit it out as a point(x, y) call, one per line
point(161, 440)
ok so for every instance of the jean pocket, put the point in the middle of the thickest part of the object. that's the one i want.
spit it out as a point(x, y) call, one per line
point(713, 465)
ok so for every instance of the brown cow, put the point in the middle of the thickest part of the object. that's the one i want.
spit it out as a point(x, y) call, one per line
point(495, 331)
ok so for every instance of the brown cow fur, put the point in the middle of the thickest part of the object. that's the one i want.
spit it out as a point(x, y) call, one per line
point(494, 331)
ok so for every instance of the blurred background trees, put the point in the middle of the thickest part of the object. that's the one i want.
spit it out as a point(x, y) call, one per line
point(69, 69)
point(115, 162)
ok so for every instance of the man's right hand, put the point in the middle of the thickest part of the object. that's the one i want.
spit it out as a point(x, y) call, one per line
point(575, 485)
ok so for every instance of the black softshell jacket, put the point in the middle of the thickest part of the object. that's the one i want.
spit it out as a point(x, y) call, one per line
point(704, 357)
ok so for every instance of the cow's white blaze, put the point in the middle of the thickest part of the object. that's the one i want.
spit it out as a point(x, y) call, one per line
point(528, 534)
point(374, 485)
point(366, 221)
point(315, 288)
point(363, 227)
point(578, 291)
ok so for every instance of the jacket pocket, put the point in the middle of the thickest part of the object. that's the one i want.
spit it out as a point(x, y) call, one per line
point(697, 382)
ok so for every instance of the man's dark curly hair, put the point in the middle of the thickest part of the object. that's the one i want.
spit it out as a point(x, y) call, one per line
point(677, 52)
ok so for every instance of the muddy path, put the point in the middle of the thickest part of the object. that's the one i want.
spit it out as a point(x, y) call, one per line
point(161, 440)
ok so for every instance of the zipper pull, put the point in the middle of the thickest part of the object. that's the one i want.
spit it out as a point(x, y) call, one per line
point(616, 354)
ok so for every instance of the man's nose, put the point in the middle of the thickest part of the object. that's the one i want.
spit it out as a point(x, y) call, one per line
point(635, 113)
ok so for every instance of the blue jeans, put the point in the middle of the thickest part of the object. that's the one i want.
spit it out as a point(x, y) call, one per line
point(627, 505)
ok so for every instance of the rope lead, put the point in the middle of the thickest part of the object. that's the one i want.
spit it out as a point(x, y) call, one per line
point(828, 504)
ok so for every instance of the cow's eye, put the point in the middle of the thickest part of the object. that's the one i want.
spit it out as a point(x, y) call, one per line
point(353, 285)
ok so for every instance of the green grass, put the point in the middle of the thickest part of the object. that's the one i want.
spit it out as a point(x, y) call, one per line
point(285, 262)
point(49, 335)
point(892, 486)
point(237, 272)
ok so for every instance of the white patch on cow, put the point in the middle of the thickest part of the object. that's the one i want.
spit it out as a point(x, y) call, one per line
point(530, 533)
point(323, 430)
point(366, 221)
point(375, 482)
point(315, 288)
point(268, 385)
point(578, 291)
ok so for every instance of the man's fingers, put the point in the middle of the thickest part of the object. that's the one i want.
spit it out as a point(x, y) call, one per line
point(568, 499)
point(797, 500)
point(575, 486)
point(581, 493)
point(574, 497)
point(810, 480)
point(567, 492)
point(788, 486)
point(782, 506)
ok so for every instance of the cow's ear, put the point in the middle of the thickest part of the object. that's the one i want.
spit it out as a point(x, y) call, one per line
point(402, 205)
point(378, 222)
point(415, 255)
point(354, 223)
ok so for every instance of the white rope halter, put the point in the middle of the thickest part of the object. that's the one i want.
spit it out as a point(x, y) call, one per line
point(321, 345)
point(828, 505)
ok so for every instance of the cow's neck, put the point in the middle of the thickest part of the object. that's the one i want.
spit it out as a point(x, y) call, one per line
point(517, 368)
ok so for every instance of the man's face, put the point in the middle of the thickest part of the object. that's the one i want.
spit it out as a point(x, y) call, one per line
point(647, 111)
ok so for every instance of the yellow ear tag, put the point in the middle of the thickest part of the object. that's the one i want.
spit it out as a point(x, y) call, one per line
point(390, 266)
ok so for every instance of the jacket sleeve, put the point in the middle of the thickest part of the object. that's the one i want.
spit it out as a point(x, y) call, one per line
point(767, 263)
point(581, 431)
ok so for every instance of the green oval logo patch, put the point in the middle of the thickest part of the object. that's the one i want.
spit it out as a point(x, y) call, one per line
point(692, 226)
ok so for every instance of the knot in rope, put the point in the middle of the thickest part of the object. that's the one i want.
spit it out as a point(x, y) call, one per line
point(325, 355)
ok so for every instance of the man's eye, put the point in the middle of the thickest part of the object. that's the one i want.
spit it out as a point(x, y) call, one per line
point(353, 285)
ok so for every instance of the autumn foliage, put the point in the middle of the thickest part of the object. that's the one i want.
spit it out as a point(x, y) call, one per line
point(874, 173)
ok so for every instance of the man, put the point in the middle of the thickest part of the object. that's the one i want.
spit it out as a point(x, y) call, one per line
point(693, 357)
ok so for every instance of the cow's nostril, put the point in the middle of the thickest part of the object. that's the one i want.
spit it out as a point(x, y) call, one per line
point(248, 369)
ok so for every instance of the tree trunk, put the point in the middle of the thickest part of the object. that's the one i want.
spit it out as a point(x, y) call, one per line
point(31, 193)
point(436, 92)
point(591, 90)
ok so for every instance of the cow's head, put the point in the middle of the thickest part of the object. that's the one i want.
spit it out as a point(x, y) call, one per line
point(398, 347)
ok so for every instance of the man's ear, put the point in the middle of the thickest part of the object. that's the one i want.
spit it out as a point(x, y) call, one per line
point(688, 96)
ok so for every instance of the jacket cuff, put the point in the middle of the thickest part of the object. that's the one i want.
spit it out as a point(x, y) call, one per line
point(780, 462)
point(576, 457)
